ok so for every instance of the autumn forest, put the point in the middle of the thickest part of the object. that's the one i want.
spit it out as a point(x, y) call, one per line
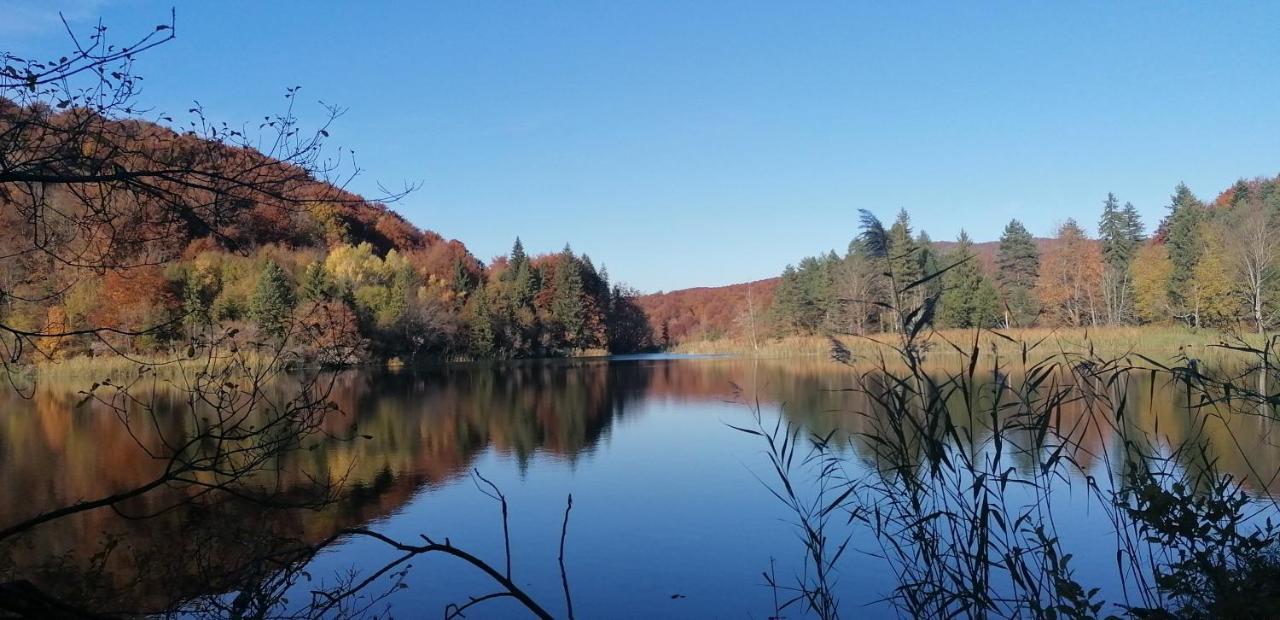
point(388, 290)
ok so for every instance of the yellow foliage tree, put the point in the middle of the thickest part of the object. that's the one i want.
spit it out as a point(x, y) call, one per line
point(353, 266)
point(1214, 299)
point(1150, 271)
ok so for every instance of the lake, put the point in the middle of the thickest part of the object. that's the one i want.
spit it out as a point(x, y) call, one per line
point(672, 514)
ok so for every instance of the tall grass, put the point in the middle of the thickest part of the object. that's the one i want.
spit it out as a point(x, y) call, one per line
point(1165, 342)
point(974, 439)
point(971, 456)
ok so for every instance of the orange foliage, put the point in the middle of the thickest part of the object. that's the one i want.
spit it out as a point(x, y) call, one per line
point(1070, 279)
point(705, 312)
point(134, 299)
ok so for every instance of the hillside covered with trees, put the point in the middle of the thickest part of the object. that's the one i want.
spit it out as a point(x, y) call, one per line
point(262, 251)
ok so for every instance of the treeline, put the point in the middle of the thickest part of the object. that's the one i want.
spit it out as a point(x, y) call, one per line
point(274, 253)
point(1206, 265)
point(356, 304)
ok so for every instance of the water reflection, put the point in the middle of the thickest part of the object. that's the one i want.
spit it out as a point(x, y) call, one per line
point(427, 427)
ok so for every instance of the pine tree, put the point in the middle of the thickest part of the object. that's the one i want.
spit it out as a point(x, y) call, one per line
point(904, 255)
point(1120, 232)
point(459, 282)
point(519, 278)
point(1182, 237)
point(1112, 232)
point(483, 337)
point(195, 302)
point(1017, 271)
point(788, 302)
point(566, 300)
point(315, 283)
point(968, 299)
point(272, 300)
point(1133, 225)
point(930, 263)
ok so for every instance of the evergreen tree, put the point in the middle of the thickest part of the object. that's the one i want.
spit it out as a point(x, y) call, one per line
point(315, 283)
point(904, 255)
point(788, 302)
point(483, 337)
point(968, 299)
point(459, 282)
point(1120, 233)
point(1182, 237)
point(566, 299)
point(1133, 225)
point(195, 302)
point(519, 278)
point(1017, 271)
point(272, 300)
point(930, 263)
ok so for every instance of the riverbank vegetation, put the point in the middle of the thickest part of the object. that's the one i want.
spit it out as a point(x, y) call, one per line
point(970, 457)
point(1163, 341)
point(1208, 265)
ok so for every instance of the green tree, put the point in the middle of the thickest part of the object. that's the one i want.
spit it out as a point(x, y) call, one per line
point(806, 301)
point(788, 302)
point(198, 293)
point(1017, 271)
point(968, 298)
point(459, 282)
point(518, 278)
point(1120, 233)
point(566, 299)
point(930, 261)
point(272, 300)
point(1182, 237)
point(482, 338)
point(316, 285)
point(904, 255)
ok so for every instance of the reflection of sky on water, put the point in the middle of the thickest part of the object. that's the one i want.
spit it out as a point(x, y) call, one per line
point(667, 502)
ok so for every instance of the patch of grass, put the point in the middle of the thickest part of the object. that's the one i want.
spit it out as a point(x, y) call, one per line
point(1160, 342)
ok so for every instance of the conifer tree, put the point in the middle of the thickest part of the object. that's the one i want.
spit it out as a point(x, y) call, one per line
point(272, 300)
point(315, 283)
point(968, 299)
point(1182, 238)
point(930, 263)
point(195, 302)
point(788, 302)
point(483, 337)
point(566, 299)
point(519, 278)
point(1017, 271)
point(1120, 232)
point(904, 255)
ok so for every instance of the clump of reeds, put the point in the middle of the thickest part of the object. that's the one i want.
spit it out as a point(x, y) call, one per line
point(966, 456)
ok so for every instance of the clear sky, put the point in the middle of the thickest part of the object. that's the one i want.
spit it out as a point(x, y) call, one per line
point(706, 143)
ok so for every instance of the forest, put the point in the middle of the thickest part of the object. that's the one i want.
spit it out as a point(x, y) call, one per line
point(370, 285)
point(1206, 265)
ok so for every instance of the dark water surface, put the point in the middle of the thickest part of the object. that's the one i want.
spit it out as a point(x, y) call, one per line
point(670, 518)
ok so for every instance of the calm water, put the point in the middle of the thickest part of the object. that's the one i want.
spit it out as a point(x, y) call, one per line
point(669, 516)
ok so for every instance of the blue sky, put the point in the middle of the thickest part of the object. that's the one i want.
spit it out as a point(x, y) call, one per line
point(706, 143)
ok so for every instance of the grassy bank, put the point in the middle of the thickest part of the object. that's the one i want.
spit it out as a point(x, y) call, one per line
point(1156, 342)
